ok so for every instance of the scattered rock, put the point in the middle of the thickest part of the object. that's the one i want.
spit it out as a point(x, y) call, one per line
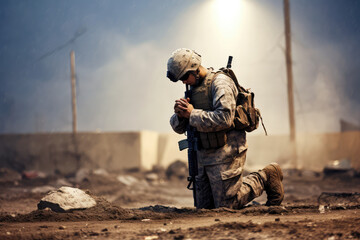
point(339, 199)
point(81, 174)
point(8, 175)
point(151, 237)
point(152, 177)
point(127, 180)
point(177, 169)
point(63, 182)
point(101, 171)
point(42, 189)
point(62, 227)
point(33, 174)
point(66, 199)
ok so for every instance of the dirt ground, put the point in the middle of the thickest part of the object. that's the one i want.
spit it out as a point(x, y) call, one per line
point(147, 205)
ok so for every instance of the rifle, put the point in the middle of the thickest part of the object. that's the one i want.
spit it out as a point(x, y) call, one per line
point(191, 143)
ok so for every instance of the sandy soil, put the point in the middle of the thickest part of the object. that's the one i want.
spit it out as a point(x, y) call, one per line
point(150, 206)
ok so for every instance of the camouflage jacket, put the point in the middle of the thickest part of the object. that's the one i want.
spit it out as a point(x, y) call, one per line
point(224, 94)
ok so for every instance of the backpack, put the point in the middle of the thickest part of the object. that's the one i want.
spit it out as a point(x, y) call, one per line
point(247, 116)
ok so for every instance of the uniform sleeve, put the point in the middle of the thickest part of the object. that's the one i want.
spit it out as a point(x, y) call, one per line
point(224, 94)
point(178, 124)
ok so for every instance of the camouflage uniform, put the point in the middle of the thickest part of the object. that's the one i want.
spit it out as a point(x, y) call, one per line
point(220, 182)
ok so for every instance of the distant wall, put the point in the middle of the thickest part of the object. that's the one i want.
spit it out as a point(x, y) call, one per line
point(61, 152)
point(314, 151)
point(115, 151)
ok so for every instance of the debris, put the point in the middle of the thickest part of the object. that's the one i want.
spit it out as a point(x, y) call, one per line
point(177, 170)
point(62, 227)
point(81, 174)
point(217, 220)
point(63, 182)
point(322, 209)
point(42, 189)
point(66, 199)
point(152, 177)
point(104, 230)
point(339, 199)
point(342, 166)
point(33, 174)
point(127, 179)
point(101, 171)
point(277, 219)
point(8, 175)
point(151, 237)
point(145, 220)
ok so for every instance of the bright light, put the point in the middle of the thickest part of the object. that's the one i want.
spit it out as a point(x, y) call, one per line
point(227, 12)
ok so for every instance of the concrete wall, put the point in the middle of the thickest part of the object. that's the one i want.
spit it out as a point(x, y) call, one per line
point(63, 153)
point(115, 151)
point(314, 151)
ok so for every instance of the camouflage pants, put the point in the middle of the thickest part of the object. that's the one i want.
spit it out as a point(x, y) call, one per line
point(223, 185)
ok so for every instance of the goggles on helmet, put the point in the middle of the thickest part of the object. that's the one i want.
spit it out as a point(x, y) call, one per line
point(171, 76)
point(183, 78)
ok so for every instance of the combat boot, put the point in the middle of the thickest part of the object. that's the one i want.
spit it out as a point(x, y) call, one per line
point(273, 185)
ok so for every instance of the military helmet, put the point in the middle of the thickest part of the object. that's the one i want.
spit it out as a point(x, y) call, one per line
point(182, 61)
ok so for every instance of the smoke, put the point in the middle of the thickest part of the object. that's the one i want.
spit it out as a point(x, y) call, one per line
point(122, 81)
point(130, 91)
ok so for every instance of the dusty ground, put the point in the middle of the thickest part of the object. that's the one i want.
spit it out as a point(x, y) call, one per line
point(139, 205)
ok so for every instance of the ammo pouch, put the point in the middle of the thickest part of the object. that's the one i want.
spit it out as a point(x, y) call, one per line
point(246, 115)
point(212, 139)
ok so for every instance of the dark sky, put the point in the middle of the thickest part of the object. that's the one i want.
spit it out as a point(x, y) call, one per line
point(121, 53)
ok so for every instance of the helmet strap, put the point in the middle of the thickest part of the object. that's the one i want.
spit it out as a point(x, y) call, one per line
point(197, 76)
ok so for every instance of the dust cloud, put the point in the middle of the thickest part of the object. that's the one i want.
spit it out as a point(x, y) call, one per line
point(134, 94)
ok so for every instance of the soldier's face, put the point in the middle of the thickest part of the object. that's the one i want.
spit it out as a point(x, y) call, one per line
point(191, 80)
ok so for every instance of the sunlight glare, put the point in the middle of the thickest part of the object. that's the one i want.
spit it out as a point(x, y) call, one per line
point(227, 12)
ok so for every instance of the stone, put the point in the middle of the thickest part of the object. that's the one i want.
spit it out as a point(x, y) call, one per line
point(66, 199)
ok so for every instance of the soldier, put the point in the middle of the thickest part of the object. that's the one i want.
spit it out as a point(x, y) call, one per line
point(222, 151)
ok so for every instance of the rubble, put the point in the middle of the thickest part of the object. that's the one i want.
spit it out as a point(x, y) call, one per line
point(339, 167)
point(8, 175)
point(33, 174)
point(127, 180)
point(66, 199)
point(177, 170)
point(339, 199)
point(42, 189)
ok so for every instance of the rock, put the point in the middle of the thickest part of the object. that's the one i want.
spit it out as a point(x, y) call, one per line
point(177, 169)
point(32, 174)
point(101, 171)
point(8, 175)
point(81, 174)
point(66, 199)
point(42, 189)
point(62, 182)
point(152, 177)
point(127, 179)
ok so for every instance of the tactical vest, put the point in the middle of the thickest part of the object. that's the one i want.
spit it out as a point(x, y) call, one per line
point(246, 115)
point(201, 98)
